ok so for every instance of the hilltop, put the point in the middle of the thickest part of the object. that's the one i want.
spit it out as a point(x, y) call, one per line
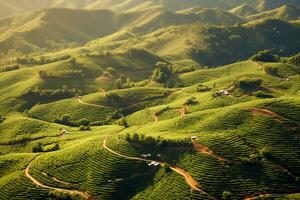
point(17, 7)
point(283, 12)
point(154, 100)
point(244, 10)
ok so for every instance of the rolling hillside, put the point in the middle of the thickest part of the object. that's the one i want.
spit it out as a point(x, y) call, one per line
point(244, 10)
point(284, 12)
point(152, 100)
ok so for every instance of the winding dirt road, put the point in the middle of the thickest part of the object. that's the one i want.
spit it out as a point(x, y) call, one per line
point(205, 150)
point(188, 178)
point(94, 105)
point(39, 184)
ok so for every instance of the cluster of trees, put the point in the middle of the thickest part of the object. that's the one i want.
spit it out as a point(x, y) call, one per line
point(38, 94)
point(40, 148)
point(70, 74)
point(65, 120)
point(83, 124)
point(190, 101)
point(271, 70)
point(262, 94)
point(137, 52)
point(114, 100)
point(123, 82)
point(265, 56)
point(9, 68)
point(295, 60)
point(202, 88)
point(248, 84)
point(184, 69)
point(255, 158)
point(162, 72)
point(151, 142)
point(41, 60)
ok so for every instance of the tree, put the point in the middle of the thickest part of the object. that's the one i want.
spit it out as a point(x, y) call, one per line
point(265, 56)
point(135, 138)
point(84, 122)
point(271, 70)
point(123, 122)
point(37, 148)
point(162, 72)
point(65, 120)
point(114, 99)
point(190, 101)
point(248, 83)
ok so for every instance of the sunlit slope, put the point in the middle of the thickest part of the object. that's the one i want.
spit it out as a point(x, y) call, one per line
point(205, 43)
point(244, 10)
point(284, 12)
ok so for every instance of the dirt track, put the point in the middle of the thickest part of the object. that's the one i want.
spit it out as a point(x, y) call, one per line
point(188, 178)
point(204, 149)
point(39, 184)
point(94, 105)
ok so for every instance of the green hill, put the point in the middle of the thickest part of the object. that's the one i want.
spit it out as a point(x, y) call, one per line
point(204, 44)
point(244, 10)
point(154, 100)
point(284, 12)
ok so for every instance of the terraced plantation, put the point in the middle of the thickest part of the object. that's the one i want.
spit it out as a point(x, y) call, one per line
point(156, 100)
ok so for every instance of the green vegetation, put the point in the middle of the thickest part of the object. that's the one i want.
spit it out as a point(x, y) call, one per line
point(264, 56)
point(171, 99)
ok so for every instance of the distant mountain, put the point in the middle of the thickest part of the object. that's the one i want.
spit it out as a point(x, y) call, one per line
point(52, 28)
point(243, 10)
point(263, 5)
point(16, 7)
point(212, 46)
point(283, 12)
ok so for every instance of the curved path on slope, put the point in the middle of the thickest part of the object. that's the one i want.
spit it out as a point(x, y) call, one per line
point(39, 184)
point(269, 113)
point(94, 105)
point(188, 178)
point(205, 150)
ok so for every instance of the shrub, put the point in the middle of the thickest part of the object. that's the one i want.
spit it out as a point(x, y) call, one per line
point(38, 95)
point(248, 83)
point(191, 101)
point(37, 148)
point(123, 82)
point(265, 56)
point(226, 195)
point(96, 123)
point(9, 68)
point(41, 60)
point(167, 168)
point(265, 152)
point(202, 88)
point(84, 122)
point(68, 74)
point(253, 159)
point(295, 60)
point(123, 122)
point(65, 120)
point(271, 70)
point(262, 94)
point(52, 147)
point(114, 100)
point(185, 69)
point(162, 72)
point(84, 128)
